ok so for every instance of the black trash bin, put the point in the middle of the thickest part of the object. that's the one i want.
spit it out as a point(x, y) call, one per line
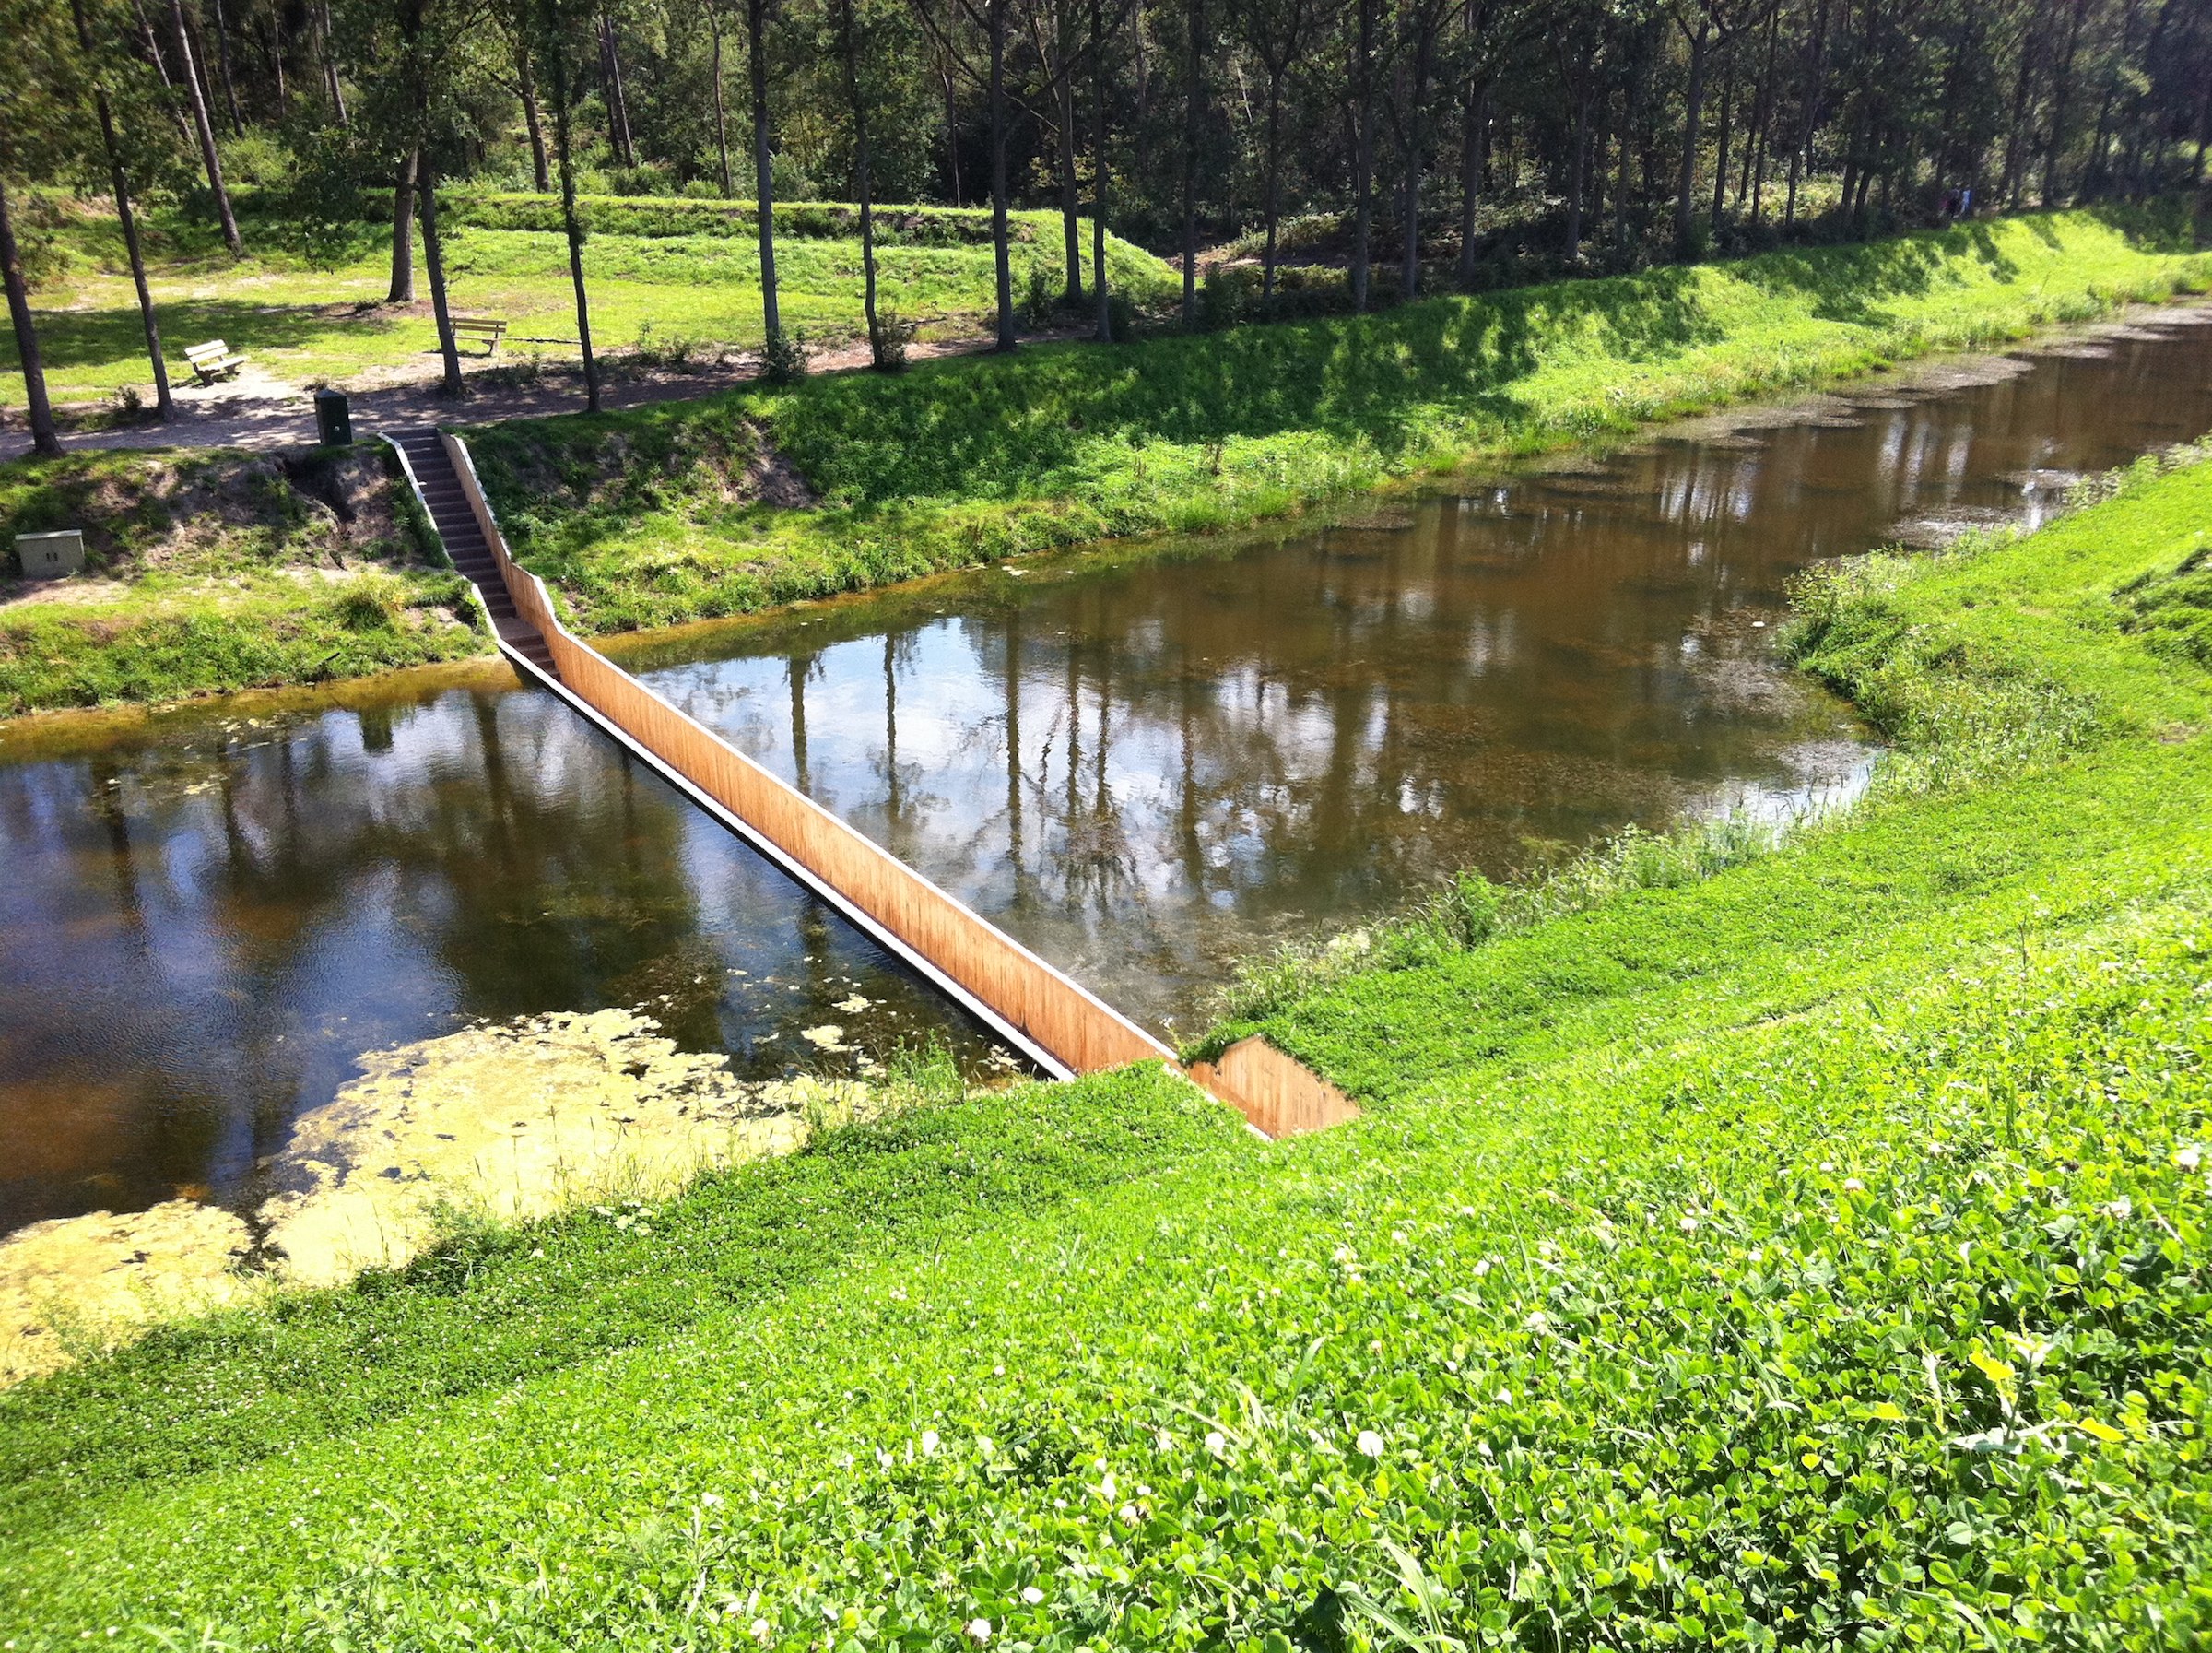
point(334, 420)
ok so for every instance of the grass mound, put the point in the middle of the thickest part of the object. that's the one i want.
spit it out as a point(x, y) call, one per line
point(959, 462)
point(220, 571)
point(1814, 1251)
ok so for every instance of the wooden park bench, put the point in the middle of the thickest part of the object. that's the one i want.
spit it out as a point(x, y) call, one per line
point(213, 360)
point(485, 330)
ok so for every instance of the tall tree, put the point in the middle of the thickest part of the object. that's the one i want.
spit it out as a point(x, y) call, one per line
point(555, 21)
point(210, 156)
point(848, 45)
point(1002, 254)
point(1276, 33)
point(95, 68)
point(764, 183)
point(1194, 121)
point(1363, 145)
point(1100, 171)
point(32, 362)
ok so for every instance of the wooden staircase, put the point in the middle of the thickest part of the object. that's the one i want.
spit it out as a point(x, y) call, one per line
point(440, 486)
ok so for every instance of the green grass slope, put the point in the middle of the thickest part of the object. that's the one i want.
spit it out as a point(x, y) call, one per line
point(636, 518)
point(218, 570)
point(665, 275)
point(1812, 1253)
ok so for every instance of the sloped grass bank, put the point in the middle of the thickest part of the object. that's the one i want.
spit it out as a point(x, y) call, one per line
point(667, 276)
point(221, 571)
point(959, 461)
point(1811, 1254)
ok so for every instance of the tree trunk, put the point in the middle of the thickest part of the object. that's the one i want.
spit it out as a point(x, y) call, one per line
point(1719, 141)
point(722, 123)
point(1692, 107)
point(330, 66)
point(433, 261)
point(222, 58)
point(274, 50)
point(1275, 180)
point(851, 44)
point(1002, 254)
point(1194, 115)
point(526, 86)
point(1071, 205)
point(1477, 120)
point(45, 439)
point(2061, 83)
point(617, 106)
point(764, 188)
point(1363, 151)
point(1098, 164)
point(570, 226)
point(164, 403)
point(952, 141)
point(1410, 189)
point(402, 290)
point(1579, 163)
point(204, 128)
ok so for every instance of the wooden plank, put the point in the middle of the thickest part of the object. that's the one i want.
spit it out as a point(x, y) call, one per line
point(1278, 1093)
point(1018, 991)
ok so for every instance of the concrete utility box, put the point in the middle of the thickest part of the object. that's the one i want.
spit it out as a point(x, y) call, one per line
point(51, 556)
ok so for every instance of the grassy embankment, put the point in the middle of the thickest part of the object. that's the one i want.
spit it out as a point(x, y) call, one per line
point(653, 517)
point(675, 277)
point(1810, 1252)
point(221, 571)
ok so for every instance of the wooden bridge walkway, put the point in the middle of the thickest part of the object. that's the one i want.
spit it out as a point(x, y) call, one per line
point(1053, 1020)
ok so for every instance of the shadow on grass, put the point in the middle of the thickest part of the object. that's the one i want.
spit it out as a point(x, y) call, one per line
point(76, 340)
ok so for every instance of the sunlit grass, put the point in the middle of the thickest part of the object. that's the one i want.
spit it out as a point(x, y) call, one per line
point(1802, 1247)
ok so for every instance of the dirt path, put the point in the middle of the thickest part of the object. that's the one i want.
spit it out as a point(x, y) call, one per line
point(258, 410)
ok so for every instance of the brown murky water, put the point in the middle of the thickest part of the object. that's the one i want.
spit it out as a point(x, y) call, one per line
point(1148, 767)
point(1142, 763)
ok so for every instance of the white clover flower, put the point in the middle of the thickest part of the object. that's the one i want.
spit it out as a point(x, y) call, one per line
point(979, 1631)
point(929, 1442)
point(983, 1445)
point(1688, 1225)
point(1482, 1267)
point(1827, 1166)
point(1756, 1255)
point(2190, 1157)
point(883, 1458)
point(1128, 1513)
point(1106, 1486)
point(1369, 1444)
point(710, 1498)
point(2122, 1207)
point(759, 1629)
point(1031, 1594)
point(1216, 1442)
point(1852, 1184)
point(1165, 1441)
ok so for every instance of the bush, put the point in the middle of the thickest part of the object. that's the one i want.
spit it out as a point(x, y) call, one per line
point(785, 358)
point(1226, 296)
point(888, 342)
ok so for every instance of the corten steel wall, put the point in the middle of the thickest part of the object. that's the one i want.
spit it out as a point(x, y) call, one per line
point(1076, 1027)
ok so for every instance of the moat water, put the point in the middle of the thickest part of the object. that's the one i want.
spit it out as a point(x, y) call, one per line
point(1143, 762)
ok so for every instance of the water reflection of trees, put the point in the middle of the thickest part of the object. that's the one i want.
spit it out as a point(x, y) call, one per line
point(203, 934)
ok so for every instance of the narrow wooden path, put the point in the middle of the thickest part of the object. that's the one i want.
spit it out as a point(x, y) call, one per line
point(1053, 1020)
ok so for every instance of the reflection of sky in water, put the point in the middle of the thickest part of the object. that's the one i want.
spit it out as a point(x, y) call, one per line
point(1146, 767)
point(200, 931)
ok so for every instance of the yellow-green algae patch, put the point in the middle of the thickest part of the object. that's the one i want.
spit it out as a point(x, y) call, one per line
point(500, 1122)
point(515, 1122)
point(77, 1284)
